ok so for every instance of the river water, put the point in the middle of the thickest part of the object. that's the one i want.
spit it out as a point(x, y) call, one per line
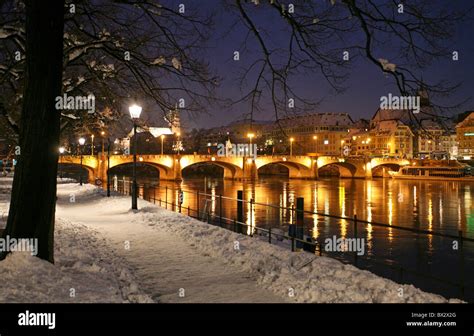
point(445, 207)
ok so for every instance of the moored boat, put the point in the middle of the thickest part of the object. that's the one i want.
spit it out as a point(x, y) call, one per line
point(451, 173)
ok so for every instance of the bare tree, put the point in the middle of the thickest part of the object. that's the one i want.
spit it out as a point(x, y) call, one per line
point(325, 38)
point(115, 50)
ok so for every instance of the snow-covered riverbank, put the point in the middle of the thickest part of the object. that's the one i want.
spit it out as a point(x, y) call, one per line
point(113, 254)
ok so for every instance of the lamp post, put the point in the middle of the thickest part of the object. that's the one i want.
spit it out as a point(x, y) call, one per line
point(162, 139)
point(108, 167)
point(135, 111)
point(102, 135)
point(92, 144)
point(61, 152)
point(291, 146)
point(82, 141)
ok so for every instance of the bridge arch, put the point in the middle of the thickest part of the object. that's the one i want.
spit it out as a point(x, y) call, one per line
point(62, 166)
point(161, 169)
point(345, 169)
point(380, 165)
point(295, 169)
point(231, 170)
point(382, 169)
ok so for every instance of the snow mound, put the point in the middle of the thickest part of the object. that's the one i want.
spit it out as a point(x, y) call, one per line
point(84, 271)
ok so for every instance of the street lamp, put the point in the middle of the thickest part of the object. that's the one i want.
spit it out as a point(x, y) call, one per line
point(135, 112)
point(291, 146)
point(82, 141)
point(162, 139)
point(102, 135)
point(108, 167)
point(61, 152)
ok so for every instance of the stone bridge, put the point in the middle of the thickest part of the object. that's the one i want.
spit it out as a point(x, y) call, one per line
point(171, 166)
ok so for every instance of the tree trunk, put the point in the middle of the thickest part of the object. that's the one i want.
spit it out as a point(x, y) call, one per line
point(33, 200)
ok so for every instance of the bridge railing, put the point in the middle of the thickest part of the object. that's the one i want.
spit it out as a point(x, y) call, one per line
point(224, 211)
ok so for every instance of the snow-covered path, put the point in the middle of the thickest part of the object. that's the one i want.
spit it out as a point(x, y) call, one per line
point(169, 269)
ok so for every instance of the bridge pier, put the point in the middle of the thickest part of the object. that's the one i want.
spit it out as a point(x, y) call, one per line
point(250, 171)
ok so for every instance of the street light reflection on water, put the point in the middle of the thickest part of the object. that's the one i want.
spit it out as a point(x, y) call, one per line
point(394, 202)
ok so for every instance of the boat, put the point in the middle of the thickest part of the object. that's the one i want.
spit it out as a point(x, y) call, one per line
point(459, 172)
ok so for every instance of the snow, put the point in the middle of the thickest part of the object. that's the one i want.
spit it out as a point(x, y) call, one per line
point(84, 271)
point(111, 253)
point(169, 268)
point(386, 65)
point(159, 61)
point(176, 63)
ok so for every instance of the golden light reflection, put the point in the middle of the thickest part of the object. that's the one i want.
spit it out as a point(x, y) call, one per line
point(283, 203)
point(441, 211)
point(250, 214)
point(369, 216)
point(459, 217)
point(468, 200)
point(430, 222)
point(342, 206)
point(315, 209)
point(390, 216)
point(213, 199)
point(414, 197)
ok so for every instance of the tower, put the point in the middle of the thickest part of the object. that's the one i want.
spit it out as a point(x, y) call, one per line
point(173, 120)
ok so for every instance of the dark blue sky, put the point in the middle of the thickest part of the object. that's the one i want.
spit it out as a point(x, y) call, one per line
point(363, 88)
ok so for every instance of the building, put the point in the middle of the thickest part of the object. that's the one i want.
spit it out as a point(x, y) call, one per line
point(391, 138)
point(238, 132)
point(318, 134)
point(428, 140)
point(449, 145)
point(465, 137)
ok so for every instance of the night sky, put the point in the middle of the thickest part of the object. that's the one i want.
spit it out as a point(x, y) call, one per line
point(363, 88)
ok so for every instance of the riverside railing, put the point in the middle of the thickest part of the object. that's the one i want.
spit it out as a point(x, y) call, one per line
point(211, 209)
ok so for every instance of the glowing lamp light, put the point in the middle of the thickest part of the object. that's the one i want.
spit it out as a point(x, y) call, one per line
point(135, 111)
point(213, 159)
point(61, 150)
point(82, 141)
